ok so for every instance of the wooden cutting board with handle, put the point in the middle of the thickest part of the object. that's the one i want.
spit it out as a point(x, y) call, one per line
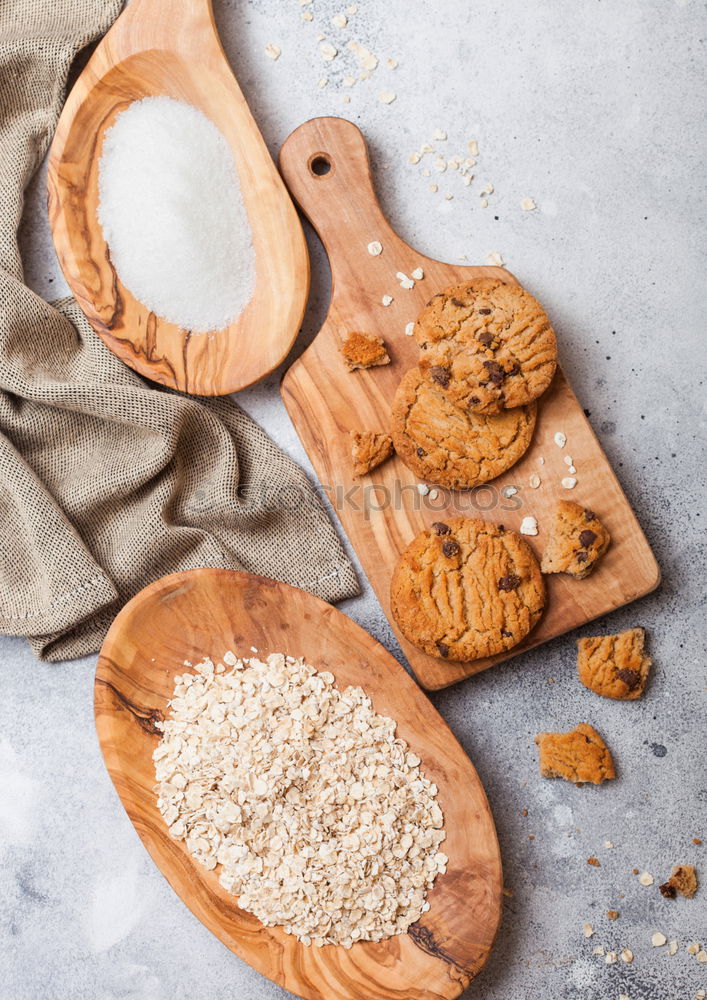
point(325, 165)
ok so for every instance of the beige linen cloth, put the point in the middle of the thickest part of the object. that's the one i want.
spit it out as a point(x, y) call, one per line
point(106, 481)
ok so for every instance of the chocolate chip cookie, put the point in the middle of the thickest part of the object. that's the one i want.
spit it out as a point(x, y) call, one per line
point(615, 666)
point(577, 541)
point(451, 446)
point(466, 588)
point(580, 756)
point(369, 450)
point(487, 345)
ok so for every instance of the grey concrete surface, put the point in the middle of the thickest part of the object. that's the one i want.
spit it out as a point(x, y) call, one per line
point(594, 110)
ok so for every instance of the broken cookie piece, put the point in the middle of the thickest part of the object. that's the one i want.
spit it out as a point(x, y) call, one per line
point(614, 666)
point(683, 881)
point(579, 756)
point(369, 450)
point(364, 350)
point(577, 541)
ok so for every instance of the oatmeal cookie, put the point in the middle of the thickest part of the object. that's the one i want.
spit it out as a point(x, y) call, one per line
point(615, 666)
point(580, 756)
point(466, 588)
point(454, 447)
point(487, 344)
point(369, 450)
point(364, 350)
point(577, 541)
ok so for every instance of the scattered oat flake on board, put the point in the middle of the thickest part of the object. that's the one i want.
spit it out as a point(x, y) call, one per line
point(597, 950)
point(560, 439)
point(672, 948)
point(387, 300)
point(366, 59)
point(414, 158)
point(434, 188)
point(484, 203)
point(658, 939)
point(646, 878)
point(409, 329)
point(541, 460)
point(323, 82)
point(569, 482)
point(387, 96)
point(701, 955)
point(587, 930)
point(494, 259)
point(528, 205)
point(448, 197)
point(346, 99)
point(434, 494)
point(508, 491)
point(488, 189)
point(328, 51)
point(534, 481)
point(423, 489)
point(273, 51)
point(567, 460)
point(608, 845)
point(529, 526)
point(439, 136)
point(349, 81)
point(339, 20)
point(627, 955)
point(375, 248)
point(418, 274)
point(405, 282)
point(473, 148)
point(611, 958)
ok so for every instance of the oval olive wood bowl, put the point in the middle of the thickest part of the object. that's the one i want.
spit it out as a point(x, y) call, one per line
point(171, 48)
point(203, 612)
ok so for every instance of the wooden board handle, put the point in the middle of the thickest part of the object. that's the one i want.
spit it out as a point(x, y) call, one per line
point(325, 165)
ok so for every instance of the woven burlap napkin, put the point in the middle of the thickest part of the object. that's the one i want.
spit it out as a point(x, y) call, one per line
point(106, 481)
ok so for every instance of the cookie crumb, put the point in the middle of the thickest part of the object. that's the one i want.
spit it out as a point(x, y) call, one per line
point(613, 914)
point(580, 755)
point(369, 450)
point(683, 880)
point(595, 862)
point(364, 350)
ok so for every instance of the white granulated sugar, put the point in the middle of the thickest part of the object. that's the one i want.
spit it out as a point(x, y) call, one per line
point(172, 214)
point(316, 814)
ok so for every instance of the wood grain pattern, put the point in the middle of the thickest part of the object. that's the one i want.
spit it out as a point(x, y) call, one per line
point(382, 513)
point(171, 48)
point(207, 612)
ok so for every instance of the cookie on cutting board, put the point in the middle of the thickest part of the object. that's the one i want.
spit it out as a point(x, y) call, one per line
point(452, 447)
point(487, 344)
point(466, 588)
point(577, 541)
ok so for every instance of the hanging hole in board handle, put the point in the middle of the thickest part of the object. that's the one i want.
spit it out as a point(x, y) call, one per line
point(320, 165)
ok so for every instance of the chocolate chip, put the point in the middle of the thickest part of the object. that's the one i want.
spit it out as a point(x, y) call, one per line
point(441, 528)
point(474, 401)
point(509, 582)
point(506, 633)
point(458, 303)
point(421, 453)
point(581, 557)
point(486, 339)
point(515, 370)
point(586, 537)
point(496, 374)
point(484, 312)
point(443, 648)
point(440, 375)
point(668, 890)
point(501, 527)
point(631, 678)
point(589, 514)
point(450, 548)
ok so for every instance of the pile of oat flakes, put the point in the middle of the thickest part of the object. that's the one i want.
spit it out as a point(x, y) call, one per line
point(318, 815)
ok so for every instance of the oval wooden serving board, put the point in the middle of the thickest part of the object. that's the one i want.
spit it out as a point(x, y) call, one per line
point(382, 512)
point(207, 612)
point(171, 48)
